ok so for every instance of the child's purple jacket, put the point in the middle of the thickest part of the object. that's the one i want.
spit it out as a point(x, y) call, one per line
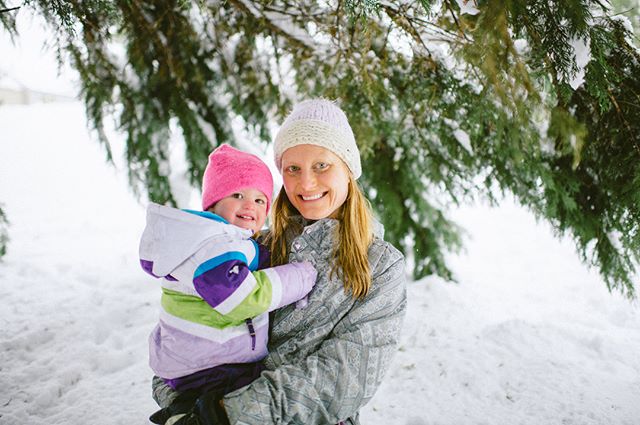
point(209, 288)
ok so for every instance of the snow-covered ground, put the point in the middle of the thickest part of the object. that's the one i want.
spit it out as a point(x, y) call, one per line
point(527, 336)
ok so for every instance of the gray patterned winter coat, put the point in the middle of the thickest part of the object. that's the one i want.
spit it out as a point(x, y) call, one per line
point(327, 360)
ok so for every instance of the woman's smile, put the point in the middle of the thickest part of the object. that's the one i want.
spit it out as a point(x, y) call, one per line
point(309, 198)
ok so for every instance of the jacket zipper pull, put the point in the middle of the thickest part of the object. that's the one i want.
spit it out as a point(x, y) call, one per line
point(252, 332)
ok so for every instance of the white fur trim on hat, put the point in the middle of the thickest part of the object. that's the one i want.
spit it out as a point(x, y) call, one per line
point(319, 122)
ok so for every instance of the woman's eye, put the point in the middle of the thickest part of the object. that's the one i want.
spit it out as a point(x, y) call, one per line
point(292, 169)
point(322, 165)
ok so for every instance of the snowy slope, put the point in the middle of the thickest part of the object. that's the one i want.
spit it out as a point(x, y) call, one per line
point(528, 336)
point(76, 309)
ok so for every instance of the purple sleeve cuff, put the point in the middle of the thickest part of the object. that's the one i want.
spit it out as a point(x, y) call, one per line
point(264, 257)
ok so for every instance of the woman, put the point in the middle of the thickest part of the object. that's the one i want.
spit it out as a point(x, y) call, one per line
point(327, 360)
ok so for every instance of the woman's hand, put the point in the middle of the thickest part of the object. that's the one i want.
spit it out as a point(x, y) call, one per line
point(185, 410)
point(210, 411)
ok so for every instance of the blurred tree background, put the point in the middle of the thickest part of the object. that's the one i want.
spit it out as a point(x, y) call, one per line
point(450, 101)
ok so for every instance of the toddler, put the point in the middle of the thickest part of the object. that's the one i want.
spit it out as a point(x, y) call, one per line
point(216, 293)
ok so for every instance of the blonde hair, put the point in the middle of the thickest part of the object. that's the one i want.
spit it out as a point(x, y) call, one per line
point(355, 237)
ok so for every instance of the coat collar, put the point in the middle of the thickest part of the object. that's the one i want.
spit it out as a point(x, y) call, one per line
point(319, 235)
point(322, 234)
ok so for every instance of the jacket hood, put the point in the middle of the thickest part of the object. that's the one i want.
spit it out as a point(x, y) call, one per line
point(172, 235)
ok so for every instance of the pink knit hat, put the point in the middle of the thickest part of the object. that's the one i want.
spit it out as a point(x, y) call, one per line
point(230, 170)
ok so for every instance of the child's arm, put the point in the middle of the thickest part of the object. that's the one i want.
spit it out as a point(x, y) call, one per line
point(226, 283)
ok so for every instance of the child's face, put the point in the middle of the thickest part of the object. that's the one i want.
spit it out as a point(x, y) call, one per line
point(246, 208)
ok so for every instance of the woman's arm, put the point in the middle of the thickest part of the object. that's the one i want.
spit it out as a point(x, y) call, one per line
point(337, 379)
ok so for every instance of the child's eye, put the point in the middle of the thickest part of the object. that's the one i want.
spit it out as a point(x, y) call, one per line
point(261, 201)
point(237, 196)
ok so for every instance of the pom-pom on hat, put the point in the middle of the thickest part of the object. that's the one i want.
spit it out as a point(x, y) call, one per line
point(322, 123)
point(230, 170)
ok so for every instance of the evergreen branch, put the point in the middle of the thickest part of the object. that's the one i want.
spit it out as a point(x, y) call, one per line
point(337, 25)
point(10, 9)
point(624, 119)
point(408, 27)
point(623, 12)
point(419, 37)
point(437, 30)
point(241, 5)
point(286, 12)
point(455, 19)
point(152, 30)
point(547, 58)
point(404, 109)
point(451, 37)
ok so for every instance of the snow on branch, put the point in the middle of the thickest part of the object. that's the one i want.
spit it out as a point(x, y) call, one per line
point(284, 24)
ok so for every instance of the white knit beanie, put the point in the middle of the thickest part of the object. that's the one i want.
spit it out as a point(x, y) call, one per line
point(322, 123)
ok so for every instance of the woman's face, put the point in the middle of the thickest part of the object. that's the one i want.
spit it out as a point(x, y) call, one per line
point(316, 181)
